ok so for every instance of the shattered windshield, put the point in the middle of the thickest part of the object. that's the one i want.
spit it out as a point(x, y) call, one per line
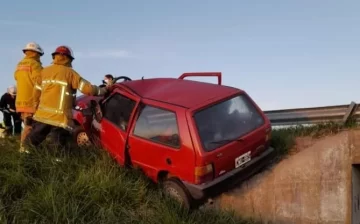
point(227, 121)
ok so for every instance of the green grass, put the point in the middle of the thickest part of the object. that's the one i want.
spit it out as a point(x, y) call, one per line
point(86, 187)
point(89, 187)
point(284, 139)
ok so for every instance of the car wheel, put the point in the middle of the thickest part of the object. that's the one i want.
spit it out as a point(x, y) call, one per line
point(175, 190)
point(81, 138)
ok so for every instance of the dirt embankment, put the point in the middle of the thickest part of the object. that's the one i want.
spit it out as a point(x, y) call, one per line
point(312, 185)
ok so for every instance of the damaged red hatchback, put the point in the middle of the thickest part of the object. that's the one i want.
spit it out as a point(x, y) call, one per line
point(192, 137)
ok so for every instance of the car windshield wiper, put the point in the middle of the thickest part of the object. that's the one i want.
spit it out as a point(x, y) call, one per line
point(227, 140)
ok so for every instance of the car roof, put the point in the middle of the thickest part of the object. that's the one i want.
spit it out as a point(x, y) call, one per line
point(180, 92)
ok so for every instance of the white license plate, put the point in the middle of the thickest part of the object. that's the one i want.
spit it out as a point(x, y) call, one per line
point(244, 158)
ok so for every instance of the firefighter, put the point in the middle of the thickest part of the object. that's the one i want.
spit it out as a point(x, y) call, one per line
point(26, 73)
point(53, 98)
point(10, 116)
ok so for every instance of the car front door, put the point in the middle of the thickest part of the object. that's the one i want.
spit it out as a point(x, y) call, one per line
point(117, 112)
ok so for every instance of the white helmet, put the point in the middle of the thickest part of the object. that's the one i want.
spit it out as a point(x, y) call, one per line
point(11, 90)
point(32, 46)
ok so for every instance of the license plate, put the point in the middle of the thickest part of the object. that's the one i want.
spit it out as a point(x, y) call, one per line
point(244, 158)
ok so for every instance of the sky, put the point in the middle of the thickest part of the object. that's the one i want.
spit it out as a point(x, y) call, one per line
point(283, 53)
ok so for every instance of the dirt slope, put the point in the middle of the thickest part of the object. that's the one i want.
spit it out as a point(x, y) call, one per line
point(311, 186)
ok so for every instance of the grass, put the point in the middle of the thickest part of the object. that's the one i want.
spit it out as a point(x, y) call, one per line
point(86, 187)
point(284, 139)
point(89, 187)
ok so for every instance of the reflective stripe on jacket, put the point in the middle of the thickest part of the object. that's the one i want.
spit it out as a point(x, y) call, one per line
point(26, 73)
point(55, 91)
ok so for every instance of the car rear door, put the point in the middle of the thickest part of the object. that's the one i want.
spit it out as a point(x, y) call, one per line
point(117, 112)
point(237, 153)
point(230, 133)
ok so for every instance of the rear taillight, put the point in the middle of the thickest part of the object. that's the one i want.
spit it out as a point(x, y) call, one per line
point(268, 133)
point(267, 137)
point(204, 174)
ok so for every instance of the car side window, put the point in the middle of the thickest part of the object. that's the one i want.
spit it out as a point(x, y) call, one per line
point(158, 125)
point(117, 109)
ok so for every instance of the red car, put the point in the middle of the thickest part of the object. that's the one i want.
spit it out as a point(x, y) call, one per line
point(190, 136)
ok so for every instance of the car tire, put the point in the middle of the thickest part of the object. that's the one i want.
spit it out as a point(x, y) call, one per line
point(174, 188)
point(80, 137)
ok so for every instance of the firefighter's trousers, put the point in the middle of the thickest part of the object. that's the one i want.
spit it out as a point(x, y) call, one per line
point(39, 132)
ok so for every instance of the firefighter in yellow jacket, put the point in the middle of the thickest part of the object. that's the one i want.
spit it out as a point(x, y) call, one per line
point(26, 73)
point(53, 98)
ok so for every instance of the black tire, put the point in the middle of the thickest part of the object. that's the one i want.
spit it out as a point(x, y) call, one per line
point(175, 189)
point(80, 137)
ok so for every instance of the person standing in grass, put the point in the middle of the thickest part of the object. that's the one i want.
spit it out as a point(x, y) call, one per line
point(11, 118)
point(26, 73)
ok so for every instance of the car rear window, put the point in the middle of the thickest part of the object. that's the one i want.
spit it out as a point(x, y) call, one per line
point(231, 119)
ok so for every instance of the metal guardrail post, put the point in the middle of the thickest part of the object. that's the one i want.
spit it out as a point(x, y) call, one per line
point(349, 112)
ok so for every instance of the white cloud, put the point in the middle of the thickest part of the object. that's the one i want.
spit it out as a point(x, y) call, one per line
point(104, 54)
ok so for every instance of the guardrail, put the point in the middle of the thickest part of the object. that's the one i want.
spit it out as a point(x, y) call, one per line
point(314, 115)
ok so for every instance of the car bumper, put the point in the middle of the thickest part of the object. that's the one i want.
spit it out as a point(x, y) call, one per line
point(231, 178)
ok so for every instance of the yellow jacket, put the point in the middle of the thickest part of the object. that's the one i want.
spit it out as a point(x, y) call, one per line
point(55, 90)
point(26, 73)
